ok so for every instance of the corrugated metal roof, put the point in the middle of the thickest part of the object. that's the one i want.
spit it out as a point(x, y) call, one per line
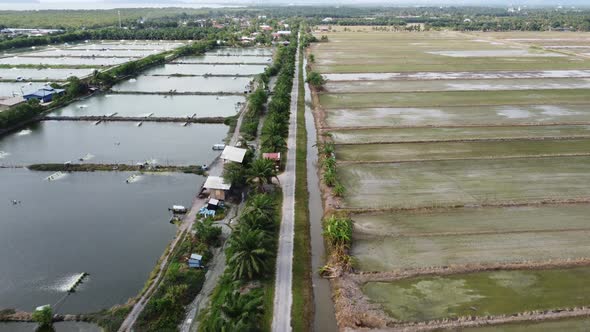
point(196, 256)
point(213, 201)
point(216, 182)
point(232, 153)
point(272, 155)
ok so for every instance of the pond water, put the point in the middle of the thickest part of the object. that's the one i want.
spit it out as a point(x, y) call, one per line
point(184, 84)
point(112, 142)
point(161, 106)
point(18, 88)
point(226, 59)
point(233, 51)
point(58, 327)
point(53, 74)
point(197, 69)
point(138, 45)
point(83, 222)
point(22, 60)
point(99, 52)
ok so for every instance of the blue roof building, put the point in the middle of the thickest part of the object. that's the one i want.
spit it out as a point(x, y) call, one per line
point(195, 261)
point(45, 94)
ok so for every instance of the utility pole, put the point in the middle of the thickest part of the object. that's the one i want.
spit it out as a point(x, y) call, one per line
point(119, 12)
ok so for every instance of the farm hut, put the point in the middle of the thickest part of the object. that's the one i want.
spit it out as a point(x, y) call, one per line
point(275, 156)
point(195, 261)
point(231, 153)
point(213, 204)
point(217, 187)
point(45, 94)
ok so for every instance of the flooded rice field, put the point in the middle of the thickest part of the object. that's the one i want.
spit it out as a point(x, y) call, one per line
point(83, 222)
point(457, 116)
point(572, 325)
point(457, 75)
point(112, 142)
point(446, 183)
point(196, 69)
point(221, 59)
point(486, 293)
point(461, 150)
point(47, 74)
point(456, 98)
point(497, 53)
point(156, 105)
point(167, 84)
point(64, 61)
point(457, 85)
point(430, 134)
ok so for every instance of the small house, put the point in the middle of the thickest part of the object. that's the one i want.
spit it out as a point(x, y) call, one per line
point(275, 156)
point(45, 94)
point(217, 187)
point(231, 153)
point(213, 204)
point(195, 261)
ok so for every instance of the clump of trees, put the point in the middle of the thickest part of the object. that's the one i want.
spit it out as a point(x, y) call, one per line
point(43, 317)
point(316, 80)
point(330, 175)
point(256, 102)
point(20, 113)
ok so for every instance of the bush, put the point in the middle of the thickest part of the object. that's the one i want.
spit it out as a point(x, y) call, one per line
point(315, 79)
point(43, 317)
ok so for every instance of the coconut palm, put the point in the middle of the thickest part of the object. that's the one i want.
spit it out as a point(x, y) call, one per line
point(260, 206)
point(274, 143)
point(261, 172)
point(248, 253)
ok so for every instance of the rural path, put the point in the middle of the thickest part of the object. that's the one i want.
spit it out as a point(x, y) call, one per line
point(216, 169)
point(284, 272)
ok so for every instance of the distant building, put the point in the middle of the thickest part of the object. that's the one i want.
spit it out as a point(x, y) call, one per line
point(45, 94)
point(265, 27)
point(281, 33)
point(8, 102)
point(327, 19)
point(195, 261)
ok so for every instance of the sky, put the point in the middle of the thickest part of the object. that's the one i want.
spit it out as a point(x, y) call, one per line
point(551, 3)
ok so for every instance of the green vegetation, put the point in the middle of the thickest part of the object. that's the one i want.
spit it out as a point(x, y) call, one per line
point(179, 286)
point(239, 302)
point(20, 113)
point(338, 235)
point(571, 324)
point(302, 308)
point(43, 317)
point(193, 169)
point(276, 125)
point(316, 80)
point(110, 319)
point(256, 103)
point(481, 294)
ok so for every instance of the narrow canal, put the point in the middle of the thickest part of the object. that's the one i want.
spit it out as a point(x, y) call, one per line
point(324, 315)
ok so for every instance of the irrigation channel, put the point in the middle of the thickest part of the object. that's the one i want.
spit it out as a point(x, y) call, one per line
point(111, 225)
point(324, 316)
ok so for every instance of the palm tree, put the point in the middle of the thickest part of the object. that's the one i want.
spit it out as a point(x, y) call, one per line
point(273, 143)
point(261, 206)
point(261, 172)
point(248, 253)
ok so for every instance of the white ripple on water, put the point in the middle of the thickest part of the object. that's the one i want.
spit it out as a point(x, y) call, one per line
point(24, 132)
point(62, 284)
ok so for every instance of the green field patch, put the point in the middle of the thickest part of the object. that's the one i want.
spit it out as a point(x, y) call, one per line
point(473, 220)
point(486, 293)
point(456, 85)
point(485, 181)
point(378, 253)
point(455, 98)
point(384, 135)
point(458, 150)
point(570, 325)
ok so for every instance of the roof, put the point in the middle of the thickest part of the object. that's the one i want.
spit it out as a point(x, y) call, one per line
point(11, 101)
point(213, 201)
point(216, 182)
point(272, 155)
point(45, 91)
point(232, 153)
point(196, 256)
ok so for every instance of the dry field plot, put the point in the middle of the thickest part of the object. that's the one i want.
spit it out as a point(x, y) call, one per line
point(460, 137)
